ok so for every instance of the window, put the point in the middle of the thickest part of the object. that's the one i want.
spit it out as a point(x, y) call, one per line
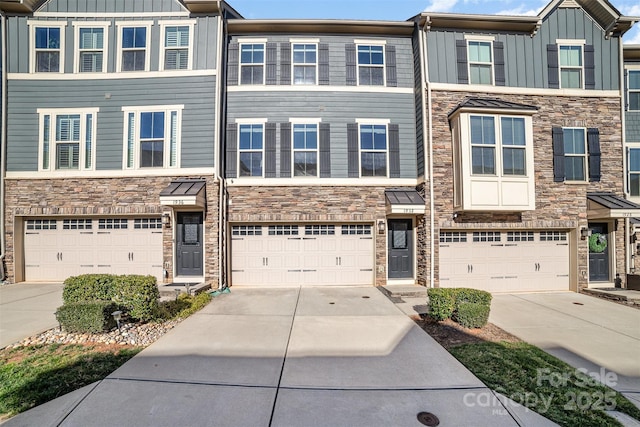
point(91, 47)
point(357, 229)
point(319, 230)
point(483, 143)
point(250, 145)
point(553, 236)
point(453, 237)
point(575, 154)
point(480, 62)
point(112, 224)
point(77, 224)
point(634, 90)
point(67, 139)
point(47, 41)
point(634, 172)
point(571, 65)
point(252, 64)
point(133, 46)
point(514, 143)
point(152, 137)
point(373, 150)
point(246, 230)
point(486, 137)
point(371, 65)
point(486, 236)
point(305, 150)
point(283, 230)
point(42, 224)
point(176, 52)
point(520, 236)
point(304, 64)
point(147, 224)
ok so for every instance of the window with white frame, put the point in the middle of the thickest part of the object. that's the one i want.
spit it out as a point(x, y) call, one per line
point(633, 165)
point(133, 54)
point(575, 154)
point(67, 139)
point(250, 149)
point(305, 149)
point(514, 145)
point(177, 46)
point(571, 66)
point(305, 63)
point(634, 89)
point(91, 47)
point(483, 145)
point(373, 150)
point(490, 135)
point(480, 62)
point(371, 65)
point(47, 41)
point(252, 63)
point(152, 137)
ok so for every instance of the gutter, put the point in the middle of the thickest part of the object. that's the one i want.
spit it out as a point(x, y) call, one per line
point(3, 143)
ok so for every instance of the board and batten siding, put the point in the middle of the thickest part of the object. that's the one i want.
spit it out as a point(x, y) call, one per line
point(525, 56)
point(337, 109)
point(112, 6)
point(205, 41)
point(197, 94)
point(337, 57)
point(418, 99)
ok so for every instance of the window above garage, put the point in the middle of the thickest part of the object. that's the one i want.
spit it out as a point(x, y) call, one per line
point(493, 155)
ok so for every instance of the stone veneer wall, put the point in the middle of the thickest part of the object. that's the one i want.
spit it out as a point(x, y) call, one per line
point(313, 204)
point(558, 205)
point(133, 196)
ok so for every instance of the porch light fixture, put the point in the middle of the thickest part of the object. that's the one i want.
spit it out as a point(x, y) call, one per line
point(584, 233)
point(381, 226)
point(117, 315)
point(166, 219)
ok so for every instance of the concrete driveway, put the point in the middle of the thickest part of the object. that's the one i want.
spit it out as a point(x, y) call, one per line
point(598, 336)
point(27, 309)
point(288, 357)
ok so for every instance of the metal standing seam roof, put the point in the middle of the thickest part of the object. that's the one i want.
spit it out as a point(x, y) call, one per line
point(183, 187)
point(492, 103)
point(611, 201)
point(403, 197)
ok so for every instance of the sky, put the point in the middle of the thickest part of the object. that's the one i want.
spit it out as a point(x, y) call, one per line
point(400, 10)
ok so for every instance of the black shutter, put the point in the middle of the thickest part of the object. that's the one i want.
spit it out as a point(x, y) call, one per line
point(271, 64)
point(232, 150)
point(552, 65)
point(593, 141)
point(558, 154)
point(626, 90)
point(285, 150)
point(589, 67)
point(498, 63)
point(392, 75)
point(285, 63)
point(323, 64)
point(461, 58)
point(350, 57)
point(325, 150)
point(352, 150)
point(270, 150)
point(233, 64)
point(394, 151)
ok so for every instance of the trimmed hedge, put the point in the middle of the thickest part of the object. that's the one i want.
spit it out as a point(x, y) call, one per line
point(87, 317)
point(88, 287)
point(468, 307)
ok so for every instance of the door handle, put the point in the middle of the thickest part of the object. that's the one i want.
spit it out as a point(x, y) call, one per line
point(60, 256)
point(340, 260)
point(472, 268)
point(267, 262)
point(337, 263)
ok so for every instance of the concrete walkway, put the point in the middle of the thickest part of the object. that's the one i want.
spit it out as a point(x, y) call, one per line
point(288, 357)
point(27, 309)
point(598, 336)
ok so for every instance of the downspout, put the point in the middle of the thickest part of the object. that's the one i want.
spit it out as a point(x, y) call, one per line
point(218, 162)
point(3, 141)
point(627, 231)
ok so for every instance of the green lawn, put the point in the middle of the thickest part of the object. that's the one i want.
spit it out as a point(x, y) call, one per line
point(543, 383)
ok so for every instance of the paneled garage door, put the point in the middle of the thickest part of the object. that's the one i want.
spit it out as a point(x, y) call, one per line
point(55, 249)
point(333, 254)
point(505, 261)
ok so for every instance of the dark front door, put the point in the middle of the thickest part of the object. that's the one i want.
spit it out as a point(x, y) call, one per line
point(400, 248)
point(189, 244)
point(599, 253)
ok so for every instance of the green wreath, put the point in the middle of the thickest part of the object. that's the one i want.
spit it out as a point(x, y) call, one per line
point(597, 243)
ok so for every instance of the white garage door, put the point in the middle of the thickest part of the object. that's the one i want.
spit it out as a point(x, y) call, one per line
point(302, 255)
point(505, 261)
point(55, 249)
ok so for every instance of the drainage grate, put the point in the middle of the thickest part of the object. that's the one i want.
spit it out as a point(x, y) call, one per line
point(366, 297)
point(578, 303)
point(428, 419)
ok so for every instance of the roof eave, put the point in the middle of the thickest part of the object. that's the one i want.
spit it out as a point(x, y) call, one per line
point(19, 6)
point(631, 51)
point(241, 26)
point(526, 24)
point(202, 6)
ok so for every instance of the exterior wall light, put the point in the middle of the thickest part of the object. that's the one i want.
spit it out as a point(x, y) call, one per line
point(584, 233)
point(166, 219)
point(381, 226)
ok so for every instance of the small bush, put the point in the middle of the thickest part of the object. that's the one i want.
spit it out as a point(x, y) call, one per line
point(87, 317)
point(88, 287)
point(183, 307)
point(471, 314)
point(441, 303)
point(473, 295)
point(138, 295)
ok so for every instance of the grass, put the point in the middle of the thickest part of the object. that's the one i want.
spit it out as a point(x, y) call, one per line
point(30, 376)
point(543, 383)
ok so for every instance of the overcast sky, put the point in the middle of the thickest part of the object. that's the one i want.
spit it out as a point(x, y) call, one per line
point(404, 9)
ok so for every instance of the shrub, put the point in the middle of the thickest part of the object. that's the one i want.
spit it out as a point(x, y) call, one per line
point(473, 295)
point(138, 295)
point(183, 307)
point(441, 303)
point(471, 314)
point(88, 287)
point(87, 317)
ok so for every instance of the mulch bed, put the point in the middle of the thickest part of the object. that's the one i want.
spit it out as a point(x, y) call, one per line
point(450, 334)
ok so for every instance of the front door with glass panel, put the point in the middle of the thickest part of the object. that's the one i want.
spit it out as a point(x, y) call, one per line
point(189, 256)
point(400, 248)
point(598, 253)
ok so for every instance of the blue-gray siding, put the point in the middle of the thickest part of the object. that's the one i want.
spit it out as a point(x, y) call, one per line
point(338, 109)
point(196, 93)
point(526, 56)
point(418, 95)
point(205, 42)
point(113, 6)
point(337, 59)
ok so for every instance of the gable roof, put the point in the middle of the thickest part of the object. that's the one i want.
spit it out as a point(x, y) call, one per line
point(602, 11)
